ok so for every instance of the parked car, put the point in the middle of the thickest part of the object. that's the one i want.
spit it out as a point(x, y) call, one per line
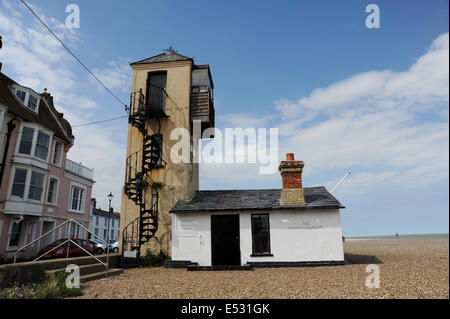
point(98, 245)
point(61, 251)
point(114, 247)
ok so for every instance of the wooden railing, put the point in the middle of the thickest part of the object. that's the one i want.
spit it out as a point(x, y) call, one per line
point(202, 107)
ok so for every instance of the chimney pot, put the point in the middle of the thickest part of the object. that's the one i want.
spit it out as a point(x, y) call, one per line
point(290, 157)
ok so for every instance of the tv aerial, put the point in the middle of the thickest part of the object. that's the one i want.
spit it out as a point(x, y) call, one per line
point(342, 179)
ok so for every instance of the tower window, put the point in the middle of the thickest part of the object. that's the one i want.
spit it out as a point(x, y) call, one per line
point(156, 91)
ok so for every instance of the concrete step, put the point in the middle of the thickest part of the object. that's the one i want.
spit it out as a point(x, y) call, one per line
point(101, 274)
point(84, 270)
point(49, 264)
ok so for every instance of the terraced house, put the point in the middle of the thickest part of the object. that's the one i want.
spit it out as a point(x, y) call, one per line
point(40, 187)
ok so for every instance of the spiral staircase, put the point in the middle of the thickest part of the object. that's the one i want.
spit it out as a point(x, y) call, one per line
point(139, 187)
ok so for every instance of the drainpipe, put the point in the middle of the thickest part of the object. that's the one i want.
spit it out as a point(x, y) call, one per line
point(11, 127)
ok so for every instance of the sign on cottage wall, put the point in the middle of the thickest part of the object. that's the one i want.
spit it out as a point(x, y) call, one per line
point(305, 226)
point(186, 227)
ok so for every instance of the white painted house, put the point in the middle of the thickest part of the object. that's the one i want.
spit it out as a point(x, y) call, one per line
point(280, 227)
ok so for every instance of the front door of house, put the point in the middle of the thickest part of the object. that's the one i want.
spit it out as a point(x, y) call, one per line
point(47, 227)
point(225, 241)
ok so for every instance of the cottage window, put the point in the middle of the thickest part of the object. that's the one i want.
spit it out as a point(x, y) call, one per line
point(18, 187)
point(260, 234)
point(36, 186)
point(96, 221)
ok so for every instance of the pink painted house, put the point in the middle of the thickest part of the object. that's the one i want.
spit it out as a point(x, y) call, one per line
point(40, 187)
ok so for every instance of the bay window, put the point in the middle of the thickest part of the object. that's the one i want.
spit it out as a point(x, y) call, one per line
point(27, 184)
point(36, 186)
point(26, 142)
point(34, 142)
point(42, 144)
point(18, 187)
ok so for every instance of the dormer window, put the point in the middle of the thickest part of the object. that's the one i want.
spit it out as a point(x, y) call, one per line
point(29, 98)
point(32, 103)
point(21, 95)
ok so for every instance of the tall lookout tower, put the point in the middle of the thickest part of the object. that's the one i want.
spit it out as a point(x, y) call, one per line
point(168, 92)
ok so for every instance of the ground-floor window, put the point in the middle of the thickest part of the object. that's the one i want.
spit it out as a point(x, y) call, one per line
point(260, 234)
point(72, 230)
point(14, 236)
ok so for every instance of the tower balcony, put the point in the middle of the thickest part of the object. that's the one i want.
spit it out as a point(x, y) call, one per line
point(202, 107)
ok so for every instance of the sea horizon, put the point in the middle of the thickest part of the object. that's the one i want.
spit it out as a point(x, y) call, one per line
point(434, 235)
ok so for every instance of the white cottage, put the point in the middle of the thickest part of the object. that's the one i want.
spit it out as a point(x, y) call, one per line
point(292, 226)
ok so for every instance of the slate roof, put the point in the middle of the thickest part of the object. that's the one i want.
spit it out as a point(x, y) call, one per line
point(164, 57)
point(263, 199)
point(44, 117)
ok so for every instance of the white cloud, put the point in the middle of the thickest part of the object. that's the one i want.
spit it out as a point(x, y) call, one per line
point(32, 57)
point(390, 127)
point(117, 76)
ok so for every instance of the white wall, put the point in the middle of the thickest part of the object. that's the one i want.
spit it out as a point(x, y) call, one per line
point(303, 235)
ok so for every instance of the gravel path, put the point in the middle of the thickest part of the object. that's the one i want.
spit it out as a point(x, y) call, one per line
point(409, 268)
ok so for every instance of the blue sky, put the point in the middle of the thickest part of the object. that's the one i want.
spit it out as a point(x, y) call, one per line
point(374, 101)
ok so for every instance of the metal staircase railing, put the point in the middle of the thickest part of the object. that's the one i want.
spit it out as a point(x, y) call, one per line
point(143, 228)
point(68, 242)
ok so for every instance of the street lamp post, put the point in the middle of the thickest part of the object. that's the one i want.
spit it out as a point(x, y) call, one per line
point(110, 197)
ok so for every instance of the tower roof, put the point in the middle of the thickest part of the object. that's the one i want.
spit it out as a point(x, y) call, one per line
point(164, 57)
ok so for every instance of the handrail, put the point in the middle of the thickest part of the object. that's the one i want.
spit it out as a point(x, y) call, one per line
point(69, 221)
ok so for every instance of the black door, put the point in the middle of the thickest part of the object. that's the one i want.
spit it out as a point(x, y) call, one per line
point(225, 241)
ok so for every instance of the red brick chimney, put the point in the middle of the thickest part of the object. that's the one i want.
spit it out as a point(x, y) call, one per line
point(291, 175)
point(94, 202)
